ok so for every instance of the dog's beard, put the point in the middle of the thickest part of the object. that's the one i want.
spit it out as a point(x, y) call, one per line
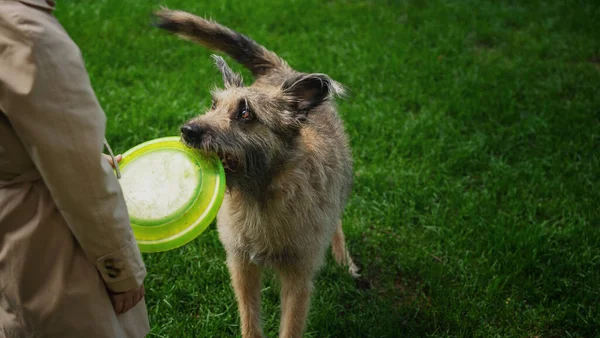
point(249, 171)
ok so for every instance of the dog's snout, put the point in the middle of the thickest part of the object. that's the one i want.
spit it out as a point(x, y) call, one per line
point(192, 132)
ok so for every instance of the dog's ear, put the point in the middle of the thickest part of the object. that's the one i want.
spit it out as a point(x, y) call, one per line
point(230, 78)
point(308, 91)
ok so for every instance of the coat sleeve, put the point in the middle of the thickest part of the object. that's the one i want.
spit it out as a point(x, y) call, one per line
point(52, 107)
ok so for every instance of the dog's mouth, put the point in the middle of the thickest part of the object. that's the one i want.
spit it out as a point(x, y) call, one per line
point(230, 164)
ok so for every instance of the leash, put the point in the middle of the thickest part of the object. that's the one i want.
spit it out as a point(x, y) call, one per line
point(110, 152)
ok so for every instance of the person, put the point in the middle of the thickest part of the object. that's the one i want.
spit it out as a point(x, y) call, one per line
point(69, 263)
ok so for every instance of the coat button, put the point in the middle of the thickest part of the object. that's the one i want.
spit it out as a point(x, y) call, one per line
point(113, 273)
point(111, 268)
point(109, 263)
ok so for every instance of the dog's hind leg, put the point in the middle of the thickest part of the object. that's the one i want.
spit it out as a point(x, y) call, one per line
point(341, 253)
point(245, 278)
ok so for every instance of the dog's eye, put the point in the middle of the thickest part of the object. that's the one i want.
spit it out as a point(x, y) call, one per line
point(245, 115)
point(214, 105)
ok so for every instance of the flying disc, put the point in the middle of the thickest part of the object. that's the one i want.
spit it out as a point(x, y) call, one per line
point(172, 192)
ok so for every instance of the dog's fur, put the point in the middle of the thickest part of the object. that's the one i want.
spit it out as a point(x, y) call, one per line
point(288, 170)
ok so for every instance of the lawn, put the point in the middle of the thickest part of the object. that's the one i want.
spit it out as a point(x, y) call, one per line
point(475, 128)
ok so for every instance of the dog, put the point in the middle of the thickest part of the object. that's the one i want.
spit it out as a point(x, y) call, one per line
point(288, 170)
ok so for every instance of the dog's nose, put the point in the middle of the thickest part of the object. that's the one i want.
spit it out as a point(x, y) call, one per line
point(192, 132)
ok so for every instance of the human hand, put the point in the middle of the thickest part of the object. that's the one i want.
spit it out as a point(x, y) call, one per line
point(124, 301)
point(110, 161)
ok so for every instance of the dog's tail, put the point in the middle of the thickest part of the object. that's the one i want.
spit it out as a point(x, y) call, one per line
point(212, 35)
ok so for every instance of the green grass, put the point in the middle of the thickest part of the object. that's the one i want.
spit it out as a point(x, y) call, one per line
point(475, 128)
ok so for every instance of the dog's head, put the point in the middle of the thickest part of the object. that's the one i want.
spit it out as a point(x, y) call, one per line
point(253, 129)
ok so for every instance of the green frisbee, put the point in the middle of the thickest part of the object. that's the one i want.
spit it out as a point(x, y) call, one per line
point(172, 192)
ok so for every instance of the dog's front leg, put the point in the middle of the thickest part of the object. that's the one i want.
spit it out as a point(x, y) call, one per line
point(296, 289)
point(245, 278)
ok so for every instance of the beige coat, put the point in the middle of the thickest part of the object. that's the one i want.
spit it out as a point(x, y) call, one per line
point(64, 230)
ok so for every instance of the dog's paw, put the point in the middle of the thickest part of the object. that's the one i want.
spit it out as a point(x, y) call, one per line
point(353, 270)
